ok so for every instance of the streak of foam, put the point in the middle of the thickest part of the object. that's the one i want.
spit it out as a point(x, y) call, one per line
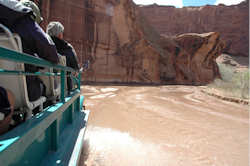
point(104, 90)
point(109, 147)
point(191, 97)
point(101, 96)
point(138, 97)
point(112, 95)
point(89, 104)
point(205, 110)
point(92, 89)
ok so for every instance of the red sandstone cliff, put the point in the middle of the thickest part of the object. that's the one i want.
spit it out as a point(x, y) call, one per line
point(230, 21)
point(122, 47)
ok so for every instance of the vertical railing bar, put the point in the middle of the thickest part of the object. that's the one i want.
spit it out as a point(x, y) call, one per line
point(62, 86)
point(79, 80)
point(55, 135)
point(79, 88)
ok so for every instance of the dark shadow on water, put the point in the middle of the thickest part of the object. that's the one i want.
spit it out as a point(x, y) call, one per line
point(118, 84)
point(132, 84)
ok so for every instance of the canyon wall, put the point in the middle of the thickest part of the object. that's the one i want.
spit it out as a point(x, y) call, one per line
point(232, 22)
point(122, 47)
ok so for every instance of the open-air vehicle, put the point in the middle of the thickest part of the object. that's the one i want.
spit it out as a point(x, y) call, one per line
point(55, 135)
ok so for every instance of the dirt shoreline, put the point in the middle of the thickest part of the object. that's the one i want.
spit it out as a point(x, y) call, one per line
point(225, 98)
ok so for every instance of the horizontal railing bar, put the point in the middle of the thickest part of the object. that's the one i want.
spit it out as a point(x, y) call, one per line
point(10, 72)
point(33, 129)
point(11, 55)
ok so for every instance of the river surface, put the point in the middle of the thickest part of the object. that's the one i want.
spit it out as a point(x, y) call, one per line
point(163, 126)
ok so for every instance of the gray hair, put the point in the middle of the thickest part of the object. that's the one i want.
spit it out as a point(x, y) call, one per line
point(54, 28)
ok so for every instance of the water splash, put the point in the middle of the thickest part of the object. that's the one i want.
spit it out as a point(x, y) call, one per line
point(107, 147)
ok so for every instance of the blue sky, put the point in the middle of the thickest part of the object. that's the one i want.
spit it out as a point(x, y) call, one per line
point(181, 3)
point(198, 2)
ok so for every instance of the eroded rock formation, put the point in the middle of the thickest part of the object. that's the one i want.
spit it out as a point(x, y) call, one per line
point(127, 49)
point(195, 62)
point(122, 47)
point(232, 22)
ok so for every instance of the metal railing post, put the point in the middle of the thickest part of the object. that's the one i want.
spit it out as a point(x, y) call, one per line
point(79, 80)
point(55, 135)
point(62, 86)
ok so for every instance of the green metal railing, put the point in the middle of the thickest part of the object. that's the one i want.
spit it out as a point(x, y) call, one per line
point(53, 130)
point(27, 59)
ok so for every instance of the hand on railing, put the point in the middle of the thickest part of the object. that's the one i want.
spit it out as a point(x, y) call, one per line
point(85, 66)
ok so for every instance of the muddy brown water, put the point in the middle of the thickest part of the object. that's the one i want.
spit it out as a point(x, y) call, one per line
point(163, 126)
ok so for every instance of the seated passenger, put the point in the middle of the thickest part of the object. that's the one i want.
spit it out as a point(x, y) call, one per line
point(20, 19)
point(7, 101)
point(55, 30)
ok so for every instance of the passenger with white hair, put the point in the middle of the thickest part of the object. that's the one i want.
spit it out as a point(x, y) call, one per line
point(55, 30)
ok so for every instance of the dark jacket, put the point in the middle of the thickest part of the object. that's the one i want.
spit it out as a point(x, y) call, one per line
point(65, 49)
point(4, 102)
point(34, 42)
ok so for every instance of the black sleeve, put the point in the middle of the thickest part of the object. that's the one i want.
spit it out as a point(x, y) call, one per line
point(72, 60)
point(4, 101)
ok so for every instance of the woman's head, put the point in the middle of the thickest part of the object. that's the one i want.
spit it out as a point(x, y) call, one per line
point(55, 28)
